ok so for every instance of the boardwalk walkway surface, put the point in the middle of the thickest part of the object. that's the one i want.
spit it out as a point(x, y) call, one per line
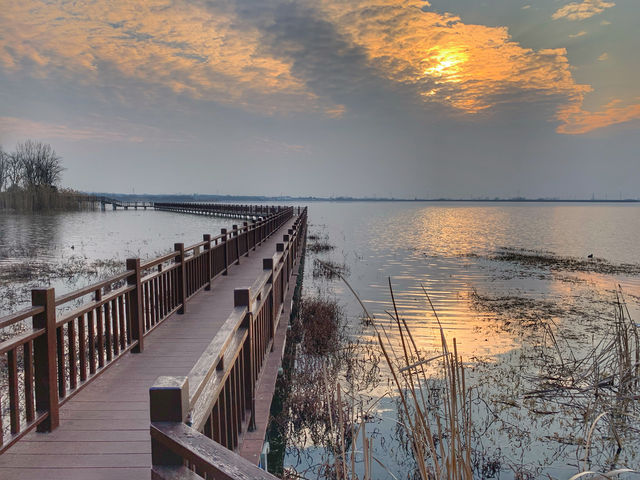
point(104, 429)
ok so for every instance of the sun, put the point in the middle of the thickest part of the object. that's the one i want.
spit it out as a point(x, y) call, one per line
point(446, 64)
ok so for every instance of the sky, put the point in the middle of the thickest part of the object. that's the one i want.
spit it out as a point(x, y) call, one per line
point(404, 98)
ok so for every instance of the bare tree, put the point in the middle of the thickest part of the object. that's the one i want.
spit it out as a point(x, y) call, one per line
point(13, 171)
point(39, 163)
point(3, 168)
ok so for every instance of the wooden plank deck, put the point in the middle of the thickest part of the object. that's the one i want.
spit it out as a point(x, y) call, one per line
point(104, 429)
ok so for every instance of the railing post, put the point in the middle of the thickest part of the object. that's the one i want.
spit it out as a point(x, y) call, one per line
point(225, 250)
point(246, 236)
point(269, 264)
point(207, 248)
point(294, 251)
point(182, 277)
point(242, 298)
point(253, 229)
point(44, 358)
point(236, 237)
point(285, 239)
point(168, 402)
point(135, 307)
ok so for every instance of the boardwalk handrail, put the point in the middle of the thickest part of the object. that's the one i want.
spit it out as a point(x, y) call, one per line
point(75, 337)
point(230, 209)
point(195, 418)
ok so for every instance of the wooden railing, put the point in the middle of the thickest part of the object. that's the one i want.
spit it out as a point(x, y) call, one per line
point(75, 337)
point(223, 209)
point(198, 421)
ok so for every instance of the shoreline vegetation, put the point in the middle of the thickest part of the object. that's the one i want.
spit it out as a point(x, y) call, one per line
point(582, 394)
point(203, 197)
point(30, 178)
point(44, 199)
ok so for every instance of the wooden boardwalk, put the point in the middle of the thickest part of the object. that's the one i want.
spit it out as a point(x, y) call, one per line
point(104, 429)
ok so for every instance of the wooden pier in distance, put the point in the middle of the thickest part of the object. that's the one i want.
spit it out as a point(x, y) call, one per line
point(185, 347)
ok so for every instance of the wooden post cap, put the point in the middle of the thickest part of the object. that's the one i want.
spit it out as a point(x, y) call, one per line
point(169, 399)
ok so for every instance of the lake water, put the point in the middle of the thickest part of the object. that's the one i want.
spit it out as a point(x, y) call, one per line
point(451, 250)
point(447, 248)
point(65, 241)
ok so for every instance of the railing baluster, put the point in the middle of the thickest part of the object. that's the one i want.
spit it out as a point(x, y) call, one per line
point(28, 381)
point(14, 397)
point(91, 329)
point(73, 356)
point(107, 331)
point(100, 328)
point(123, 335)
point(116, 327)
point(62, 380)
point(82, 348)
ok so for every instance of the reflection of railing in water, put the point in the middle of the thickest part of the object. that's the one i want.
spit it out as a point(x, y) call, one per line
point(68, 347)
point(194, 418)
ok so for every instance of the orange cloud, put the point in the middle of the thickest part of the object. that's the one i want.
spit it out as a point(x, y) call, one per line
point(577, 121)
point(185, 47)
point(471, 68)
point(209, 52)
point(580, 11)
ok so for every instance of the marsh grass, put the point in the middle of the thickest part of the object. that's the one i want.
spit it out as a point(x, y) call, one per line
point(44, 198)
point(549, 261)
point(601, 387)
point(435, 404)
point(320, 246)
point(329, 269)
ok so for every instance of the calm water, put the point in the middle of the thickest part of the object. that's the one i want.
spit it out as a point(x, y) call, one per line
point(435, 246)
point(447, 248)
point(70, 239)
point(444, 247)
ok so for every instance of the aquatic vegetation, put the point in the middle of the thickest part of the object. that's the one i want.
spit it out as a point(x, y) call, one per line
point(320, 246)
point(549, 261)
point(329, 269)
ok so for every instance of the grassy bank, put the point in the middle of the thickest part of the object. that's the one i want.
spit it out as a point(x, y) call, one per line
point(42, 199)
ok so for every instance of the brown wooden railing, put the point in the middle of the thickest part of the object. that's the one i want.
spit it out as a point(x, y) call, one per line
point(198, 421)
point(75, 337)
point(220, 209)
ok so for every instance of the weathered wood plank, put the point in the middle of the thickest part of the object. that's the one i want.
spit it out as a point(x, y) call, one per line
point(209, 456)
point(26, 447)
point(139, 473)
point(104, 432)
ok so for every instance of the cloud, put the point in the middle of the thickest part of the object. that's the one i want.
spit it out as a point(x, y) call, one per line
point(164, 44)
point(269, 145)
point(580, 11)
point(577, 121)
point(471, 69)
point(279, 57)
point(579, 34)
point(21, 128)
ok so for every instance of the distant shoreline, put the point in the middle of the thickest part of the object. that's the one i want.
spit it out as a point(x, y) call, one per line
point(246, 198)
